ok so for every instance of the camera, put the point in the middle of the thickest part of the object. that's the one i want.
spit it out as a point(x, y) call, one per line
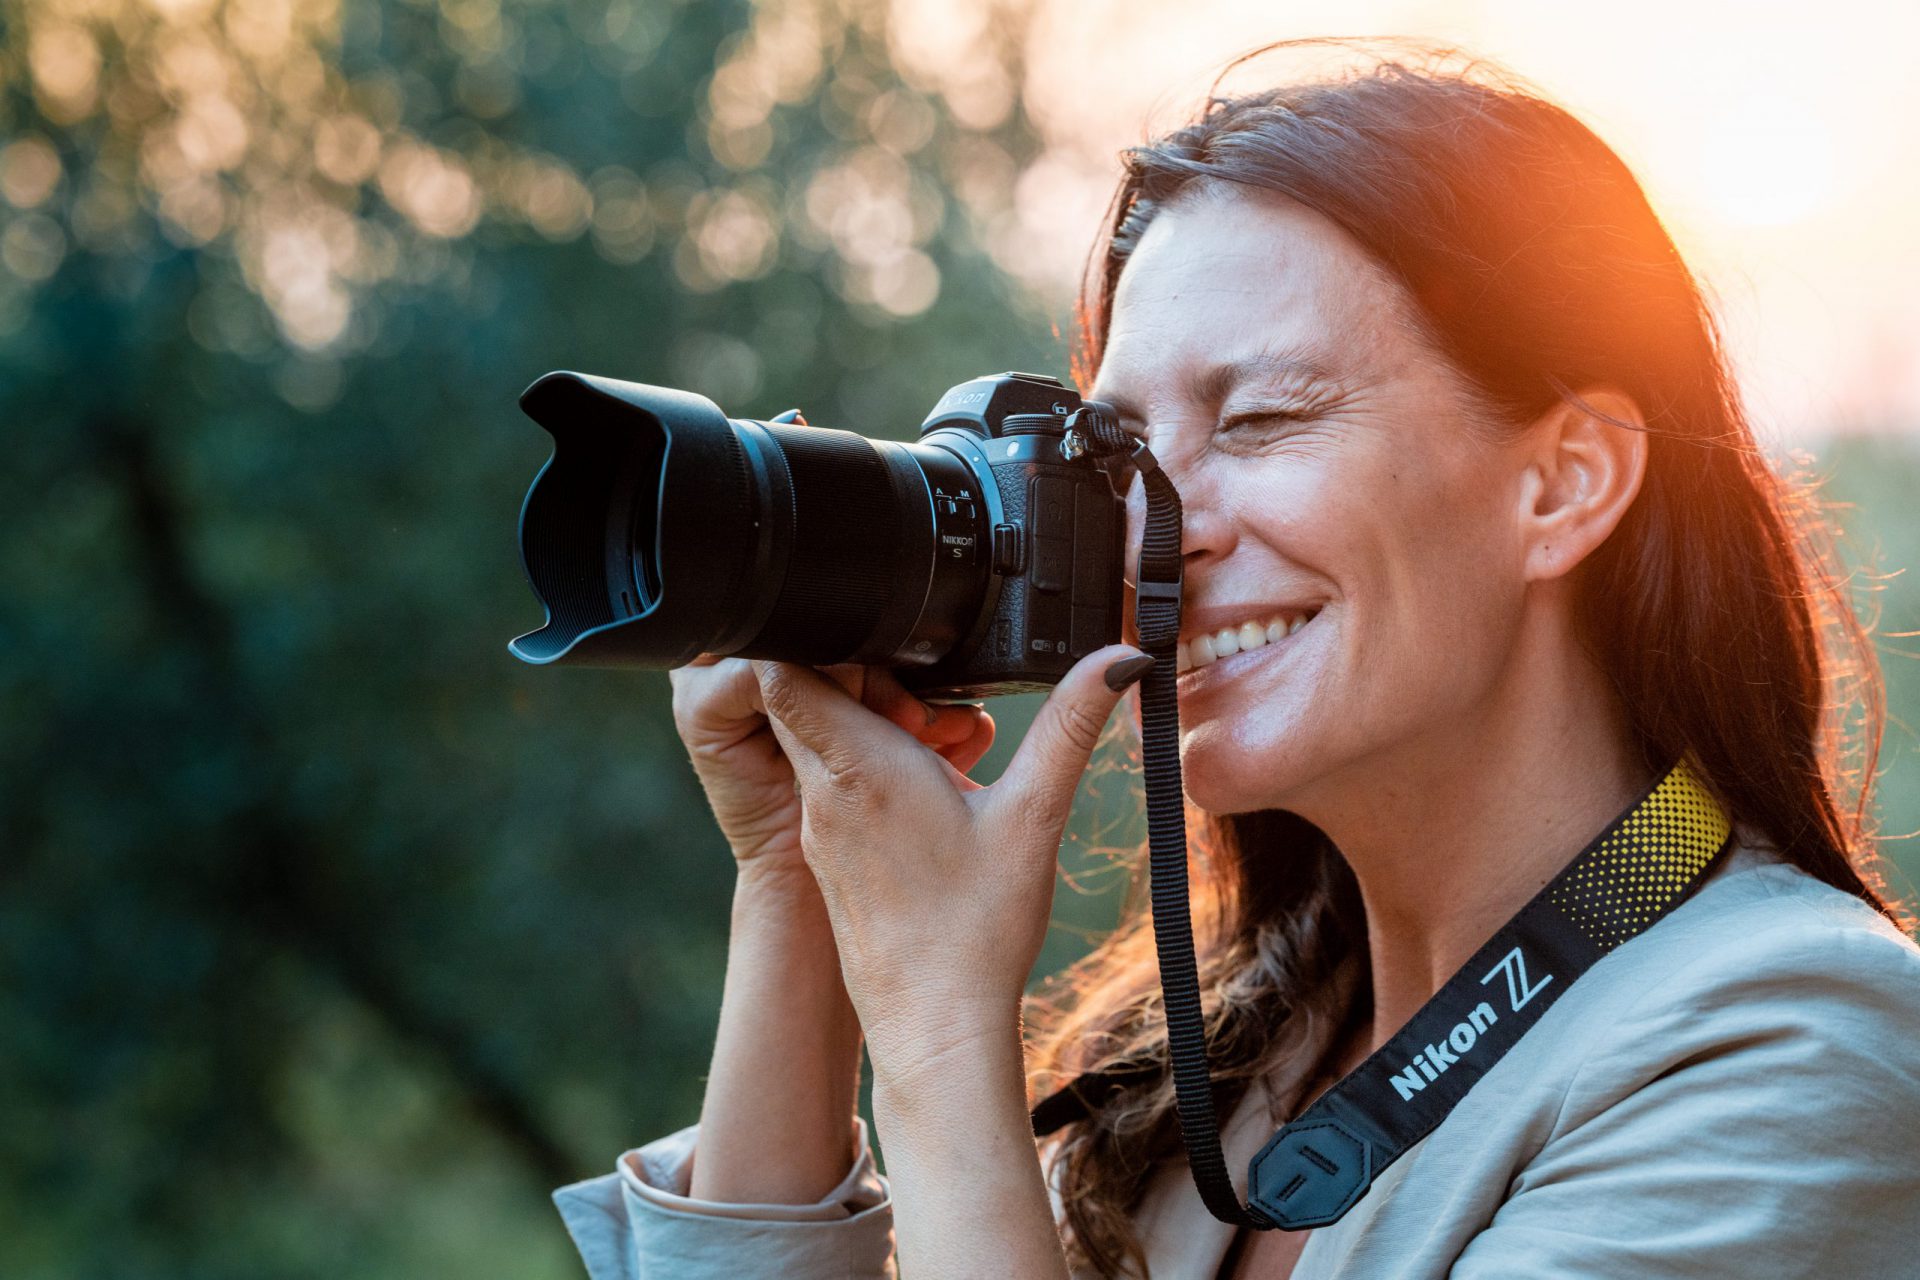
point(984, 557)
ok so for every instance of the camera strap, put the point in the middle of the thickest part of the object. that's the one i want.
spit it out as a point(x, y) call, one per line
point(1316, 1168)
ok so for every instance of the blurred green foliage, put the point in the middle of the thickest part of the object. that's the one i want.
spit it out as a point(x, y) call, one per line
point(330, 937)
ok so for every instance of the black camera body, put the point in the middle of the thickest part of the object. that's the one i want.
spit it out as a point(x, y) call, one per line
point(1054, 536)
point(985, 557)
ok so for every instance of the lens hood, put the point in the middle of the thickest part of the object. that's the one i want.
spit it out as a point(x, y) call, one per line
point(636, 532)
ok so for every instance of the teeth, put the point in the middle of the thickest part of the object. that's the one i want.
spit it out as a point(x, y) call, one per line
point(1204, 651)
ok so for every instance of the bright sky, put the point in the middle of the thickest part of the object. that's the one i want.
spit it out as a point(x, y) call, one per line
point(1780, 141)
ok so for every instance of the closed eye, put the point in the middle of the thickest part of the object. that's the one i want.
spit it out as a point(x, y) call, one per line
point(1264, 417)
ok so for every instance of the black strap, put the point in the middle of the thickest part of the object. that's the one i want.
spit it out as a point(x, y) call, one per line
point(1081, 1096)
point(1156, 619)
point(1647, 862)
point(1315, 1169)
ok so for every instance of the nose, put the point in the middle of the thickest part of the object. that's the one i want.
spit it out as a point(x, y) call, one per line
point(1206, 533)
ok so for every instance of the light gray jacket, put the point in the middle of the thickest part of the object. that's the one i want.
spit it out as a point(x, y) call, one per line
point(1735, 1092)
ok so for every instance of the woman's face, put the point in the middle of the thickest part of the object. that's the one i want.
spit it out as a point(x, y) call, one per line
point(1332, 471)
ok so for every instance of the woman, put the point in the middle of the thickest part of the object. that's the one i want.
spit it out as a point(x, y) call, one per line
point(1478, 547)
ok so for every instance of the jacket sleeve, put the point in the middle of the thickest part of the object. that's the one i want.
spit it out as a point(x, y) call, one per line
point(1754, 1114)
point(639, 1223)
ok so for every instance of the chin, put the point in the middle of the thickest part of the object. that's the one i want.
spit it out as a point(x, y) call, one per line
point(1226, 773)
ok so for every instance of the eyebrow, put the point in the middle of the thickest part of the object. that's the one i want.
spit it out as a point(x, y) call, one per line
point(1213, 383)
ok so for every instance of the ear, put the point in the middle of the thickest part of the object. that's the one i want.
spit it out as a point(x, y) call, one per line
point(1583, 474)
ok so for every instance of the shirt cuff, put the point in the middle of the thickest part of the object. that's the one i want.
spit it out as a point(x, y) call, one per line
point(639, 1223)
point(662, 1172)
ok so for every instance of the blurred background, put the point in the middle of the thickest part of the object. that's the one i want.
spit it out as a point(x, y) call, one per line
point(331, 938)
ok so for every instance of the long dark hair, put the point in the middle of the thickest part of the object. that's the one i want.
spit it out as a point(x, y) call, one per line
point(1537, 267)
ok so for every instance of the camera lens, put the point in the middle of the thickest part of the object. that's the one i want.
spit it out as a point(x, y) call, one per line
point(660, 530)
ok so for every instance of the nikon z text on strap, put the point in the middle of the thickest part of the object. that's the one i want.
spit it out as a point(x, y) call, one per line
point(1318, 1167)
point(1637, 870)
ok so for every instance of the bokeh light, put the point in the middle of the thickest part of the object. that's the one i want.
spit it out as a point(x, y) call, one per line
point(334, 939)
point(1780, 142)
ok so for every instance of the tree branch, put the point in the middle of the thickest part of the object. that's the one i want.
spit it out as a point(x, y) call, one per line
point(269, 877)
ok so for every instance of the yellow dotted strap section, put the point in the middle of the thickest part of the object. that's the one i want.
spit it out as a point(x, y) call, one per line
point(1639, 868)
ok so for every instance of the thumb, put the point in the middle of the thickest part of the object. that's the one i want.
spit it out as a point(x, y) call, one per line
point(1043, 773)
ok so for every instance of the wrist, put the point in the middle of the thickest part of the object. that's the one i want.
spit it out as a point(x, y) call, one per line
point(960, 1049)
point(781, 957)
point(778, 894)
point(962, 1159)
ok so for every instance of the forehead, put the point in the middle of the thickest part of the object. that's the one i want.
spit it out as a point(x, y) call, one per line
point(1228, 278)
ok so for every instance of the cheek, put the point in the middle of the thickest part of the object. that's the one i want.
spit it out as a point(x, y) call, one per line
point(1445, 586)
point(1417, 557)
point(1287, 511)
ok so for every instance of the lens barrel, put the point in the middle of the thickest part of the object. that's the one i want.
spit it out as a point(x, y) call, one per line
point(661, 529)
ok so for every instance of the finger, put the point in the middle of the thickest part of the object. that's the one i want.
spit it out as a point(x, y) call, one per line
point(952, 726)
point(967, 753)
point(1039, 782)
point(934, 724)
point(718, 701)
point(850, 676)
point(818, 713)
point(884, 694)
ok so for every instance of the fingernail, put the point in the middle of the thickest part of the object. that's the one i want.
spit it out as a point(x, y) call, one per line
point(1123, 674)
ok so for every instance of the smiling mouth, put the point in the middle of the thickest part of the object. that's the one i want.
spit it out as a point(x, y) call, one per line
point(1203, 651)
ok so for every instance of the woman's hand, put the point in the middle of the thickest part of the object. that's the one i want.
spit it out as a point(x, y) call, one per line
point(938, 889)
point(718, 711)
point(777, 1125)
